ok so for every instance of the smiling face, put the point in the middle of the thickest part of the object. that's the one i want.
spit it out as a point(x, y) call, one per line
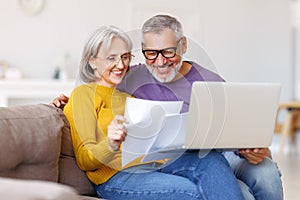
point(111, 65)
point(162, 68)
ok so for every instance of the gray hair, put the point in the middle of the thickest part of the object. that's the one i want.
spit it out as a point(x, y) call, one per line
point(102, 37)
point(158, 23)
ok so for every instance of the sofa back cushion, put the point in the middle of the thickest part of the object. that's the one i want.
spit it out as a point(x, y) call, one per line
point(30, 141)
point(69, 172)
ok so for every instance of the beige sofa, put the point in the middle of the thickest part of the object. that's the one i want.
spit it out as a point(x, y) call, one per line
point(37, 155)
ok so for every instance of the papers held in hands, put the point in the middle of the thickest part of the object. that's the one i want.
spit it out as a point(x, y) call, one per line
point(152, 125)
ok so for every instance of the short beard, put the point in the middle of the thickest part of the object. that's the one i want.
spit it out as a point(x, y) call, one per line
point(173, 74)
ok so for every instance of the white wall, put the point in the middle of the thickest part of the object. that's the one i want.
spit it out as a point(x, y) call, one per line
point(295, 15)
point(248, 40)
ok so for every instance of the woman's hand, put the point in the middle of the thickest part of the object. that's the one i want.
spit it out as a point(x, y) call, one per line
point(116, 132)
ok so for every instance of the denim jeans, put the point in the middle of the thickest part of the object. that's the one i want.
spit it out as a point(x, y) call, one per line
point(188, 177)
point(258, 182)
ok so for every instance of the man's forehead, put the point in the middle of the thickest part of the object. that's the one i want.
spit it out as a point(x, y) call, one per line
point(161, 40)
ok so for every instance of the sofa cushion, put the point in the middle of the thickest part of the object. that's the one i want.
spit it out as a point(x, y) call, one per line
point(13, 189)
point(69, 172)
point(67, 146)
point(30, 141)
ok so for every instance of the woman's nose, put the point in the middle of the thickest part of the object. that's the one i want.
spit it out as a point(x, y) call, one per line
point(120, 64)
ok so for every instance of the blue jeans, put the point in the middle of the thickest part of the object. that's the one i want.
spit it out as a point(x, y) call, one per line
point(188, 177)
point(260, 182)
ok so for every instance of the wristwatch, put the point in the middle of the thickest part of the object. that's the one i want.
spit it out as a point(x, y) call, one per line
point(32, 7)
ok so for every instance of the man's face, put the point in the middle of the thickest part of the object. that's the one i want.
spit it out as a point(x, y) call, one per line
point(166, 65)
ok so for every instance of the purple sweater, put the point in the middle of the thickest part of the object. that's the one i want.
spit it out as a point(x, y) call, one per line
point(140, 83)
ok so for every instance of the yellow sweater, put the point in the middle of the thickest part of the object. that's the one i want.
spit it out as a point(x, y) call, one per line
point(89, 111)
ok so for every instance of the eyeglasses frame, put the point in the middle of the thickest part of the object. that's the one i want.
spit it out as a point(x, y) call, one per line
point(161, 51)
point(121, 57)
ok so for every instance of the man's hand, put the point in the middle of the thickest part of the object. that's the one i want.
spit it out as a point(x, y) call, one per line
point(60, 101)
point(255, 156)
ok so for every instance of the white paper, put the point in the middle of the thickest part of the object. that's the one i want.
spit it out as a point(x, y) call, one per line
point(172, 134)
point(152, 125)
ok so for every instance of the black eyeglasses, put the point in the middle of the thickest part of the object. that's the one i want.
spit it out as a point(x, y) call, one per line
point(167, 52)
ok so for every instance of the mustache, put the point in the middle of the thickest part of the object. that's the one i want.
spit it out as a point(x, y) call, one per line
point(161, 66)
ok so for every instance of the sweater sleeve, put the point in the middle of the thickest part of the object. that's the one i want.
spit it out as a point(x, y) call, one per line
point(90, 143)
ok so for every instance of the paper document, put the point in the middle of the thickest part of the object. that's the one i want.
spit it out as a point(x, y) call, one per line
point(152, 125)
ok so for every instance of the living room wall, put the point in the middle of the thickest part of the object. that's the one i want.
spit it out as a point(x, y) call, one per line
point(247, 40)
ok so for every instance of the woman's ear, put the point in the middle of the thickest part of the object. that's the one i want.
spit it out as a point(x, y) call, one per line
point(92, 63)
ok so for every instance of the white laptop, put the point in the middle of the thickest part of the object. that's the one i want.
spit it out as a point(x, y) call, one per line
point(225, 115)
point(222, 115)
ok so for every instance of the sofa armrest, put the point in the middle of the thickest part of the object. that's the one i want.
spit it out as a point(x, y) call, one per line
point(30, 141)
